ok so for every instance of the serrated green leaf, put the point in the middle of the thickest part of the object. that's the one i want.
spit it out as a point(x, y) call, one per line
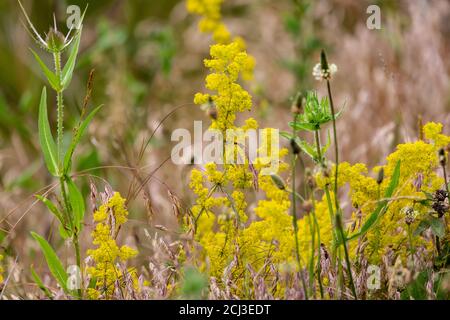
point(40, 284)
point(54, 264)
point(76, 139)
point(46, 141)
point(53, 209)
point(437, 226)
point(51, 77)
point(70, 64)
point(77, 203)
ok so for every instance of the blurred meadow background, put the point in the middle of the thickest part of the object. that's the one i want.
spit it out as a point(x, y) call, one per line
point(148, 62)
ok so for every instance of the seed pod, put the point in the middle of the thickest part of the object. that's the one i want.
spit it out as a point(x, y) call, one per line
point(212, 113)
point(326, 171)
point(338, 219)
point(294, 146)
point(307, 206)
point(278, 181)
point(310, 179)
point(380, 176)
point(297, 103)
point(442, 159)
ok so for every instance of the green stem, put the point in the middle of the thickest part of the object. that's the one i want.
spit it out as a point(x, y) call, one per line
point(411, 244)
point(347, 258)
point(312, 230)
point(294, 221)
point(59, 110)
point(327, 193)
point(78, 257)
point(319, 266)
point(62, 177)
point(336, 149)
point(336, 197)
point(317, 138)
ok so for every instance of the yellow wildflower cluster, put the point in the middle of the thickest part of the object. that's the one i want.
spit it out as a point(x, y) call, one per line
point(418, 164)
point(232, 238)
point(211, 21)
point(221, 215)
point(106, 270)
point(226, 63)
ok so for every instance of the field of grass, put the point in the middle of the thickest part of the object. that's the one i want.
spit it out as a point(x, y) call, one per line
point(225, 149)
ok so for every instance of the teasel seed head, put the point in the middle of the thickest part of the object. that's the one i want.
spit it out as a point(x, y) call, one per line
point(294, 146)
point(442, 159)
point(278, 181)
point(55, 40)
point(380, 177)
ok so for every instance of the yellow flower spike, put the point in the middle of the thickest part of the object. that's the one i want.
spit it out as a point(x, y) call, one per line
point(432, 131)
point(108, 254)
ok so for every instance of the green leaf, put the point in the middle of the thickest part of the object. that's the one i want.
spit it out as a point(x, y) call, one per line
point(423, 225)
point(325, 147)
point(382, 206)
point(76, 139)
point(303, 126)
point(286, 135)
point(51, 77)
point(437, 226)
point(394, 181)
point(77, 203)
point(307, 148)
point(65, 234)
point(45, 137)
point(416, 290)
point(40, 284)
point(70, 64)
point(53, 209)
point(53, 262)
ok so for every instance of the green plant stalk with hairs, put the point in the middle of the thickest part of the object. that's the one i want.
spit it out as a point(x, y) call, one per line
point(58, 160)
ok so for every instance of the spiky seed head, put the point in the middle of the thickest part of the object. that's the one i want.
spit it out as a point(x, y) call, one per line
point(55, 40)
